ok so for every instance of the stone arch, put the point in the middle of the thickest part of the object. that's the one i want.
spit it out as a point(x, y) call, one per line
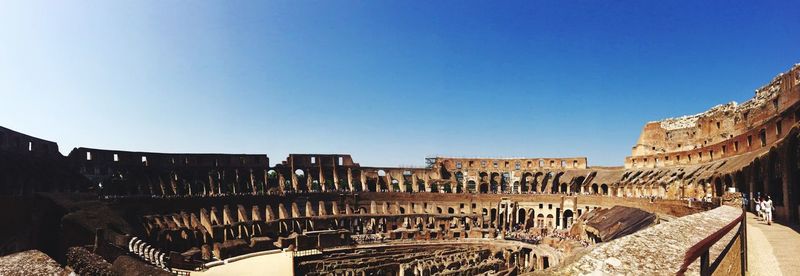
point(567, 217)
point(495, 179)
point(718, 188)
point(395, 185)
point(554, 185)
point(471, 187)
point(540, 220)
point(774, 174)
point(546, 182)
point(484, 188)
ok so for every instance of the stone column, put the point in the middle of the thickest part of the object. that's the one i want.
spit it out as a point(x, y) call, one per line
point(427, 182)
point(335, 176)
point(322, 185)
point(282, 181)
point(389, 185)
point(350, 178)
point(295, 181)
point(788, 179)
point(363, 181)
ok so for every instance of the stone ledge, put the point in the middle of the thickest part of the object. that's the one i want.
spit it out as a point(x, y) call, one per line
point(656, 250)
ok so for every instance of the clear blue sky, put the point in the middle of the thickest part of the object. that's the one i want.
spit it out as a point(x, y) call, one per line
point(389, 82)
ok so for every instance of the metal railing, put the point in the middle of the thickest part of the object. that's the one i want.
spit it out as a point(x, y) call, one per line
point(702, 248)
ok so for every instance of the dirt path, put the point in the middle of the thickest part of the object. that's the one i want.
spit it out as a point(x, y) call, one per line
point(772, 250)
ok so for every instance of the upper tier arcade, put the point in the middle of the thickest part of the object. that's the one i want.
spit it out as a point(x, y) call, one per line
point(724, 130)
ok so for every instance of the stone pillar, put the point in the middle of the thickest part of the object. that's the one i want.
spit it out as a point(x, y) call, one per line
point(788, 179)
point(414, 183)
point(322, 185)
point(335, 175)
point(427, 182)
point(350, 178)
point(282, 181)
point(363, 181)
point(295, 181)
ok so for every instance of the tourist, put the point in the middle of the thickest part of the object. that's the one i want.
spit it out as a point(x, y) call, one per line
point(758, 208)
point(767, 209)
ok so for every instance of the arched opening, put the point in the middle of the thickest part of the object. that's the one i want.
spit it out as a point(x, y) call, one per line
point(447, 188)
point(301, 180)
point(381, 181)
point(604, 189)
point(372, 184)
point(521, 218)
point(315, 186)
point(471, 186)
point(527, 178)
point(567, 219)
point(556, 183)
point(549, 221)
point(535, 182)
point(450, 210)
point(594, 188)
point(494, 182)
point(546, 180)
point(434, 187)
point(727, 183)
point(357, 185)
point(563, 188)
point(459, 181)
point(272, 179)
point(540, 220)
point(493, 217)
point(395, 185)
point(718, 190)
point(484, 188)
point(775, 178)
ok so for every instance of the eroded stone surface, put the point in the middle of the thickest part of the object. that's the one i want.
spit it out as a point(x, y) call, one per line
point(31, 262)
point(656, 250)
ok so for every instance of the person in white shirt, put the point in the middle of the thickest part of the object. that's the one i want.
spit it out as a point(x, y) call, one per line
point(767, 208)
point(758, 208)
